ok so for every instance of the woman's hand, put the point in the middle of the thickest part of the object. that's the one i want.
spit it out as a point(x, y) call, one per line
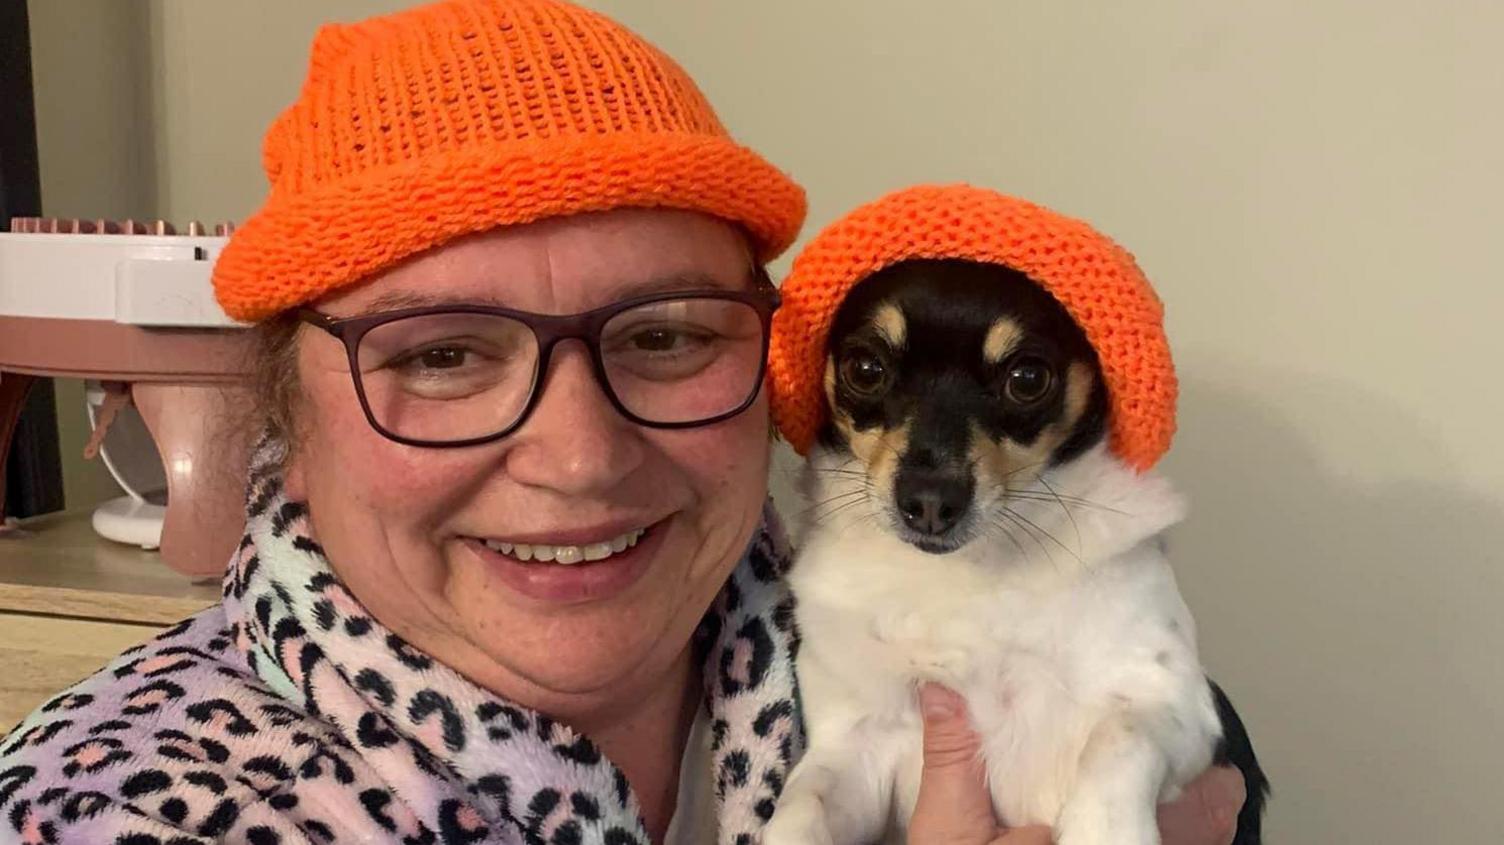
point(955, 808)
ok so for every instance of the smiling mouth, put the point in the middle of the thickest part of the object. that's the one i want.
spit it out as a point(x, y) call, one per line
point(567, 555)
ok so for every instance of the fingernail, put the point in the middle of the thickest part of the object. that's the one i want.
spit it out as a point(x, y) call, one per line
point(937, 702)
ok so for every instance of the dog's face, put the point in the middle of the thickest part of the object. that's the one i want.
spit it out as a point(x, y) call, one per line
point(952, 385)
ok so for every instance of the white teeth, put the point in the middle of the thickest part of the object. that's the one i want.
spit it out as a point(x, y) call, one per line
point(568, 555)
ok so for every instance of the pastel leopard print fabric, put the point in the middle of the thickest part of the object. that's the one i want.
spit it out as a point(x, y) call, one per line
point(286, 715)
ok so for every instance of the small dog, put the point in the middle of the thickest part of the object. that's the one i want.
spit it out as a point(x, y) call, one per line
point(970, 526)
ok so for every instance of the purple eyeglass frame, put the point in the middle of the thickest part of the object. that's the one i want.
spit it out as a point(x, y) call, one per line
point(548, 330)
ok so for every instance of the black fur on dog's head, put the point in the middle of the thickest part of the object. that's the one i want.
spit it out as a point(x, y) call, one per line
point(951, 382)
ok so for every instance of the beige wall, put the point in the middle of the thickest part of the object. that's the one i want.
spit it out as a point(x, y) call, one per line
point(95, 140)
point(1314, 189)
point(221, 71)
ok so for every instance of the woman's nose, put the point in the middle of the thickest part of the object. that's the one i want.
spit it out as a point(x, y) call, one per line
point(575, 441)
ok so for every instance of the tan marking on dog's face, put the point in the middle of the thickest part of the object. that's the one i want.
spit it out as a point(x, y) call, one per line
point(889, 321)
point(879, 450)
point(1001, 338)
point(1078, 385)
point(1000, 461)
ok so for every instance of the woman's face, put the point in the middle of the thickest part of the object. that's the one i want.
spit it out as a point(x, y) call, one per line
point(404, 526)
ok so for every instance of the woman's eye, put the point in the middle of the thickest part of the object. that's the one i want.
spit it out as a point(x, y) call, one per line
point(660, 340)
point(657, 340)
point(865, 373)
point(434, 358)
point(1029, 380)
point(440, 359)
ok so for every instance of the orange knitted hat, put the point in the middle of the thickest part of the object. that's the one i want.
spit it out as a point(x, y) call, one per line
point(1096, 281)
point(461, 116)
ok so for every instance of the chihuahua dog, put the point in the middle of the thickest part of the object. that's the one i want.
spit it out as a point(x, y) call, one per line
point(970, 526)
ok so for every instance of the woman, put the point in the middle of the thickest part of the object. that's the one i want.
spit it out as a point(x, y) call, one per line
point(510, 289)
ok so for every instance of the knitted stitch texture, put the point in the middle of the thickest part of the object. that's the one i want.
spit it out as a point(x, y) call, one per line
point(1096, 281)
point(461, 116)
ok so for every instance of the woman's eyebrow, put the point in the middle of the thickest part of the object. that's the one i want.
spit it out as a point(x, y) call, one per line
point(683, 281)
point(399, 299)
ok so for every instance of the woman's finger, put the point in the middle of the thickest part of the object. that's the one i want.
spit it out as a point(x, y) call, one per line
point(1025, 836)
point(954, 806)
point(1206, 813)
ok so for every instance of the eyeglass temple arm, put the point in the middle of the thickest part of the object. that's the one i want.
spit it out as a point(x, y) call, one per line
point(765, 284)
point(323, 321)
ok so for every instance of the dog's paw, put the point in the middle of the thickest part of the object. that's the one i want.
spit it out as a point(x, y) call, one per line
point(797, 822)
point(1101, 824)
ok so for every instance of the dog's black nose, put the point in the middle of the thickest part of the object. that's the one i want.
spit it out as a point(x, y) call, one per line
point(932, 502)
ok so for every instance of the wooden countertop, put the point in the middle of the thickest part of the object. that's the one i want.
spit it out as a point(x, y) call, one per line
point(56, 565)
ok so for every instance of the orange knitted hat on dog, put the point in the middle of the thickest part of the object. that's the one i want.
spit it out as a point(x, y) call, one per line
point(461, 116)
point(1096, 281)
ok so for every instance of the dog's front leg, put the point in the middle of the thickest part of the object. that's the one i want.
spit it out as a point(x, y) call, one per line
point(1122, 770)
point(836, 795)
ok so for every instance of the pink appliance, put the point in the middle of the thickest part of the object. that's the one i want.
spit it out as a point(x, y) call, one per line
point(128, 306)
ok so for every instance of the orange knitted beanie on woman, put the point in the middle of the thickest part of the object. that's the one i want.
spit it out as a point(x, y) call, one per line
point(1096, 281)
point(461, 116)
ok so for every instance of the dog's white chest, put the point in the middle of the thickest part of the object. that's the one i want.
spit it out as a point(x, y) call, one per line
point(1037, 671)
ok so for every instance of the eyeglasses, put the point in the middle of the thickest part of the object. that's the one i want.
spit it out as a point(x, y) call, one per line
point(462, 375)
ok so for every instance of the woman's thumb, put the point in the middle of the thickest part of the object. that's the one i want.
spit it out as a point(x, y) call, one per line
point(954, 805)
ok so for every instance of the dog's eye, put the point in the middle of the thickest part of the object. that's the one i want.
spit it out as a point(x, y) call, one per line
point(1028, 381)
point(865, 373)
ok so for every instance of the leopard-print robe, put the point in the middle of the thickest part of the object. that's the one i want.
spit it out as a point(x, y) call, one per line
point(286, 714)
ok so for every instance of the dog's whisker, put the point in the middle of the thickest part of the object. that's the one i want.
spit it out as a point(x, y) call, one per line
point(1024, 468)
point(846, 503)
point(1072, 517)
point(869, 517)
point(839, 471)
point(1033, 496)
point(1028, 532)
point(1052, 537)
point(836, 498)
point(1009, 534)
point(1025, 494)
